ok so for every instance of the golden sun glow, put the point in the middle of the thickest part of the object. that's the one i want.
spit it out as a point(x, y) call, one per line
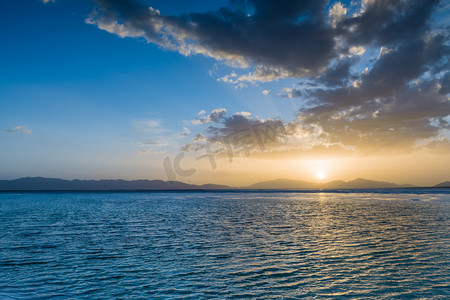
point(320, 174)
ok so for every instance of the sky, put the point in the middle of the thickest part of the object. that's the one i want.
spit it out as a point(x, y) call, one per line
point(229, 92)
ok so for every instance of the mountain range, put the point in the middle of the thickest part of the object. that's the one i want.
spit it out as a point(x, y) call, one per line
point(56, 184)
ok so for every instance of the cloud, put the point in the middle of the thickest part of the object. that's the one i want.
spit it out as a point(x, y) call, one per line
point(398, 123)
point(391, 72)
point(278, 39)
point(148, 126)
point(186, 148)
point(388, 21)
point(199, 138)
point(152, 143)
point(392, 123)
point(214, 116)
point(153, 133)
point(401, 101)
point(217, 114)
point(438, 146)
point(292, 36)
point(185, 132)
point(371, 80)
point(292, 93)
point(357, 50)
point(266, 92)
point(243, 134)
point(336, 75)
point(18, 129)
point(149, 152)
point(337, 13)
point(48, 1)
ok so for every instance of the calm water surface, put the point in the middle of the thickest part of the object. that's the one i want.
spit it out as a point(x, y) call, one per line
point(225, 245)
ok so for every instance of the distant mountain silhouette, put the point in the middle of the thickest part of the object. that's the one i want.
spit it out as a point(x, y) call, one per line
point(362, 183)
point(211, 186)
point(56, 184)
point(283, 183)
point(359, 183)
point(443, 184)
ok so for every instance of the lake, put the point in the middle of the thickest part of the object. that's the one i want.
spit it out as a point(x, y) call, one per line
point(205, 245)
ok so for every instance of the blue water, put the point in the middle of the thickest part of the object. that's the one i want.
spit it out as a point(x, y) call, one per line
point(383, 245)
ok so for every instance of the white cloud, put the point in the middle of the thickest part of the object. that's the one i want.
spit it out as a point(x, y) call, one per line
point(384, 51)
point(266, 92)
point(265, 74)
point(357, 50)
point(356, 83)
point(243, 113)
point(337, 13)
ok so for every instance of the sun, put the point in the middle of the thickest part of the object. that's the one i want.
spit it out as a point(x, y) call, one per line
point(321, 174)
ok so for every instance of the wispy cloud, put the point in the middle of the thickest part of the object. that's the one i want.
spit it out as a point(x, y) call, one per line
point(18, 129)
point(152, 143)
point(150, 152)
point(148, 126)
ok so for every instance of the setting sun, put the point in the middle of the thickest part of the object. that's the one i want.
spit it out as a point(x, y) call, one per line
point(321, 174)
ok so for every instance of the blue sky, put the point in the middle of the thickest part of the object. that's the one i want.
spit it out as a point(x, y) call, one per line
point(80, 99)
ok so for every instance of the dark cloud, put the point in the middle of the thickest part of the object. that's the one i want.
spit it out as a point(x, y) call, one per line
point(241, 128)
point(271, 11)
point(338, 74)
point(241, 134)
point(388, 21)
point(390, 73)
point(215, 116)
point(392, 124)
point(290, 35)
point(445, 84)
point(282, 38)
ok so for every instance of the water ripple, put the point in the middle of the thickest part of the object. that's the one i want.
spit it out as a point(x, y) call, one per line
point(226, 245)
